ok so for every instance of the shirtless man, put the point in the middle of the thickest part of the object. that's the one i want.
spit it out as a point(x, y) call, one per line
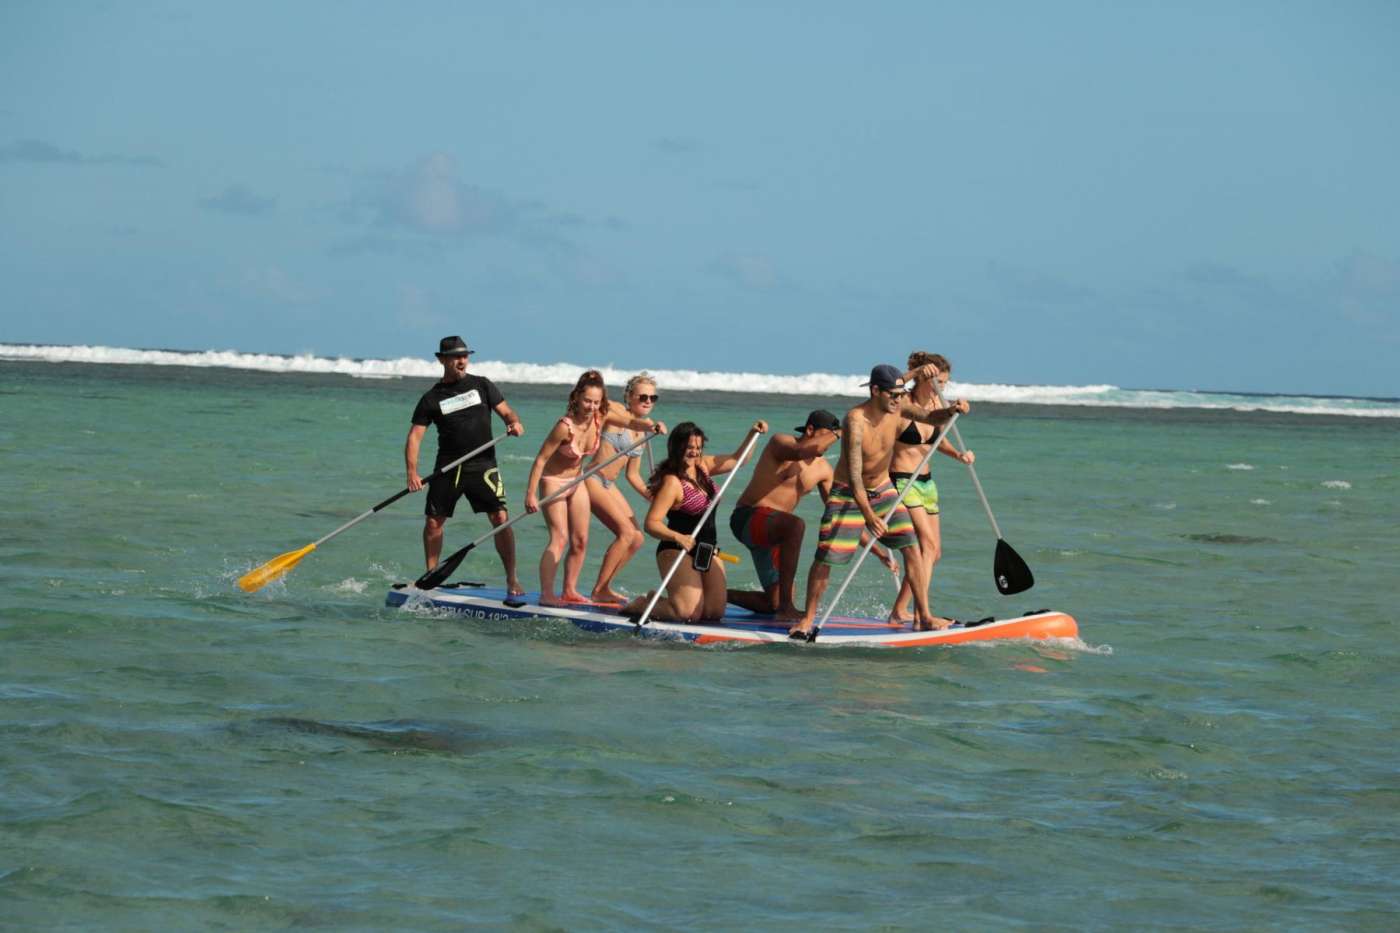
point(763, 520)
point(862, 492)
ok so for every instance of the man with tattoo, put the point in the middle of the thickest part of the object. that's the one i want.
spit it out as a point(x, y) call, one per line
point(862, 492)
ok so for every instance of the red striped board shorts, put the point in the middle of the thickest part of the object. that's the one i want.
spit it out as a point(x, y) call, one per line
point(842, 523)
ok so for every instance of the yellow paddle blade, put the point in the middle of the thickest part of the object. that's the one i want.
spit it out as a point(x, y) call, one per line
point(725, 555)
point(259, 577)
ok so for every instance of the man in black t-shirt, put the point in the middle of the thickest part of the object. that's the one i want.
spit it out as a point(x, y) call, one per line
point(460, 407)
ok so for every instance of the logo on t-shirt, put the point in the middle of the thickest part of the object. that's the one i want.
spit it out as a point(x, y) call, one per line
point(458, 402)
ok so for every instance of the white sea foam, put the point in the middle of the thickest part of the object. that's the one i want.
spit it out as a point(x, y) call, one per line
point(1337, 484)
point(1239, 466)
point(819, 384)
point(1261, 502)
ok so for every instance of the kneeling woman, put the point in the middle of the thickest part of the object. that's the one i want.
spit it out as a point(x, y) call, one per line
point(682, 488)
point(574, 438)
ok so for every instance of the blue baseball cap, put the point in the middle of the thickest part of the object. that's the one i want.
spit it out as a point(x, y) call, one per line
point(885, 377)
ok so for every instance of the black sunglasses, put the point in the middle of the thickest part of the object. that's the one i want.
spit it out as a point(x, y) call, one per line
point(643, 397)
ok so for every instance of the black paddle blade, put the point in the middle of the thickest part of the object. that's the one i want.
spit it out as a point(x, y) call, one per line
point(1011, 573)
point(439, 574)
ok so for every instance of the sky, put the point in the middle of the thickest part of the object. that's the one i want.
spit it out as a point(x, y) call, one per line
point(1194, 195)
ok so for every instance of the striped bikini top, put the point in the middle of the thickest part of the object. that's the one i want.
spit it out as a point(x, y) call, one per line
point(686, 515)
point(694, 500)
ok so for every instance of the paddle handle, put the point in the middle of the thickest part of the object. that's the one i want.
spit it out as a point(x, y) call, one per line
point(709, 510)
point(831, 607)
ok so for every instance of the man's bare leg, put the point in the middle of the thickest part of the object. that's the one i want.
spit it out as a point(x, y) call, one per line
point(432, 540)
point(789, 553)
point(765, 602)
point(505, 548)
point(914, 572)
point(927, 533)
point(817, 579)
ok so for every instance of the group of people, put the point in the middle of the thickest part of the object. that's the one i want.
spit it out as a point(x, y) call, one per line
point(578, 472)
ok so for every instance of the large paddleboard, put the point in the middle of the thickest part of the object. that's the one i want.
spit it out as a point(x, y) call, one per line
point(739, 625)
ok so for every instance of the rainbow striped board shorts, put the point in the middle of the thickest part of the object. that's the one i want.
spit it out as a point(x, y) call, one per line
point(842, 523)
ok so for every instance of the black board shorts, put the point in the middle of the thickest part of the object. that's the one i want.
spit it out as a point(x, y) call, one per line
point(482, 486)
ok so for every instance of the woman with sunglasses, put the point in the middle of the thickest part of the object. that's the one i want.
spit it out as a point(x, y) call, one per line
point(604, 487)
point(575, 437)
point(920, 494)
point(682, 487)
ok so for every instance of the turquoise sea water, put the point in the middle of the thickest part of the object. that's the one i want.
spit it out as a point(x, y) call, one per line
point(1218, 751)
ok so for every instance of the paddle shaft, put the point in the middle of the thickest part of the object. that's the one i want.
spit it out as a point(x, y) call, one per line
point(405, 491)
point(709, 510)
point(976, 483)
point(831, 607)
point(445, 569)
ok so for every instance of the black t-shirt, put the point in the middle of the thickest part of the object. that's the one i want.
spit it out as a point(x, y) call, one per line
point(461, 411)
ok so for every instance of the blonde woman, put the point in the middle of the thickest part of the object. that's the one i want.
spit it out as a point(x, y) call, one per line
point(605, 496)
point(920, 493)
point(574, 438)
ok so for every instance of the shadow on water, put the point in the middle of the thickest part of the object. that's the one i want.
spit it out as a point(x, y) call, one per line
point(1222, 538)
point(396, 734)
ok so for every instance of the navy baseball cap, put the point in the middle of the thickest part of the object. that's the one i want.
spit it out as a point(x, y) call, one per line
point(821, 418)
point(886, 377)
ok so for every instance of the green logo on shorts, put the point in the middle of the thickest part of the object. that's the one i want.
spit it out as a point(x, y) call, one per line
point(492, 478)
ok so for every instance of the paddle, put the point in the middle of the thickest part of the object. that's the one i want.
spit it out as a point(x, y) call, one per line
point(1008, 569)
point(439, 574)
point(937, 439)
point(259, 577)
point(714, 501)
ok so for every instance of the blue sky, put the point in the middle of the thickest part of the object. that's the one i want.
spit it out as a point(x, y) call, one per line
point(1185, 195)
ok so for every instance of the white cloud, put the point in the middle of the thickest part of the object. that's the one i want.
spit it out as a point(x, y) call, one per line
point(238, 199)
point(748, 270)
point(38, 151)
point(429, 198)
point(272, 282)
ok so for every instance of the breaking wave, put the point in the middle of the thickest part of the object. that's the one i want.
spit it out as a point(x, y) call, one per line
point(828, 384)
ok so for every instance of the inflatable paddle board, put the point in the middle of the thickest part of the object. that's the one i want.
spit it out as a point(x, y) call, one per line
point(738, 625)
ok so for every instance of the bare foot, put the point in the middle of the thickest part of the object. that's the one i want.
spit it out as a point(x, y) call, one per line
point(575, 598)
point(933, 624)
point(513, 588)
point(896, 619)
point(800, 631)
point(609, 597)
point(637, 605)
point(788, 614)
point(550, 600)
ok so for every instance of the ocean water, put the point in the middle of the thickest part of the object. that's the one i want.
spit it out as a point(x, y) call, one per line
point(1217, 750)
